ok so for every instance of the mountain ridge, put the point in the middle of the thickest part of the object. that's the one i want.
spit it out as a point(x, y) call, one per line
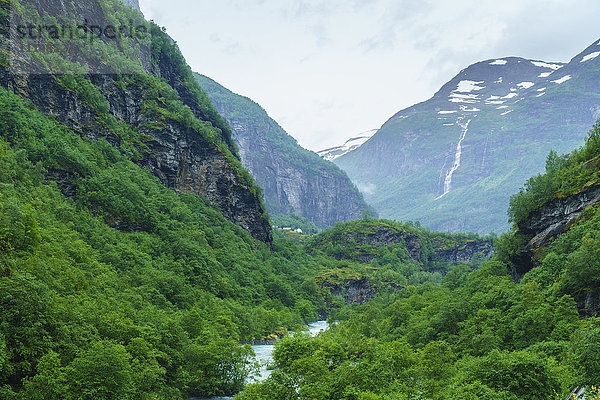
point(295, 180)
point(519, 109)
point(154, 111)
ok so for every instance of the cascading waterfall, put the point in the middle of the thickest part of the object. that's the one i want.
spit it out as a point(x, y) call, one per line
point(456, 165)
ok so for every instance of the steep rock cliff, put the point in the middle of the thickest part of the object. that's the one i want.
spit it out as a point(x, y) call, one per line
point(182, 152)
point(135, 4)
point(551, 220)
point(294, 180)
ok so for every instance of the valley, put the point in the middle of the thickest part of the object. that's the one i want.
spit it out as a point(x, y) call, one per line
point(162, 237)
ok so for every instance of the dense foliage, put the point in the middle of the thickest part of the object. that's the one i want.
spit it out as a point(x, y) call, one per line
point(107, 276)
point(477, 334)
point(564, 175)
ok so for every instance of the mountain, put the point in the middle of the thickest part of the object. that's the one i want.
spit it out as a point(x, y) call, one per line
point(135, 4)
point(351, 144)
point(140, 96)
point(452, 161)
point(294, 180)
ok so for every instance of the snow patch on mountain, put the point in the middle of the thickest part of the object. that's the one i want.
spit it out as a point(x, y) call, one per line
point(465, 96)
point(351, 144)
point(563, 79)
point(499, 80)
point(545, 74)
point(499, 62)
point(446, 112)
point(590, 56)
point(546, 65)
point(507, 112)
point(525, 85)
point(469, 86)
point(541, 94)
point(456, 100)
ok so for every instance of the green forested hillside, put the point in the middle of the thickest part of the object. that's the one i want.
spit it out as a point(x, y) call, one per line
point(137, 92)
point(119, 284)
point(129, 289)
point(478, 334)
point(126, 287)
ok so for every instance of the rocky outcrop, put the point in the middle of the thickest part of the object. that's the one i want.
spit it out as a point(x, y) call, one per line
point(465, 253)
point(375, 236)
point(352, 290)
point(442, 250)
point(294, 180)
point(551, 220)
point(181, 158)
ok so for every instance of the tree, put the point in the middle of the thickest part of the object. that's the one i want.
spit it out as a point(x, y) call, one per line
point(101, 373)
point(50, 381)
point(586, 352)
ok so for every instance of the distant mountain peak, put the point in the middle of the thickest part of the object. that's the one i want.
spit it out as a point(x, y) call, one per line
point(425, 163)
point(334, 152)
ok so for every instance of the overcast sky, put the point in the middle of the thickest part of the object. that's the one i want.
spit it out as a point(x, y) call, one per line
point(327, 70)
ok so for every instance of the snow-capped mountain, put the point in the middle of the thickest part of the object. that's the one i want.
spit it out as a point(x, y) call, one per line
point(453, 161)
point(350, 144)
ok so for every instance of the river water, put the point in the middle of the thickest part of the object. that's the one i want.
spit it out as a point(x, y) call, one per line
point(264, 355)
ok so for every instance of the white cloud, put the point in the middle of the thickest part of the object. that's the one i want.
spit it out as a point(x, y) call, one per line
point(366, 188)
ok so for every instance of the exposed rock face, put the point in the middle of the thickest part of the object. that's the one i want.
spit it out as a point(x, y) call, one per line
point(322, 196)
point(465, 253)
point(294, 180)
point(135, 4)
point(549, 221)
point(355, 291)
point(383, 235)
point(182, 159)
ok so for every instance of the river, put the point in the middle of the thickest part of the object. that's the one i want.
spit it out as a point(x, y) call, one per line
point(264, 355)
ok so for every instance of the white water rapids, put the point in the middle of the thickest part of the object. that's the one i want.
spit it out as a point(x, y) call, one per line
point(456, 165)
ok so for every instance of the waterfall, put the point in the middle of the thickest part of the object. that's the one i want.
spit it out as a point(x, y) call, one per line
point(456, 165)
